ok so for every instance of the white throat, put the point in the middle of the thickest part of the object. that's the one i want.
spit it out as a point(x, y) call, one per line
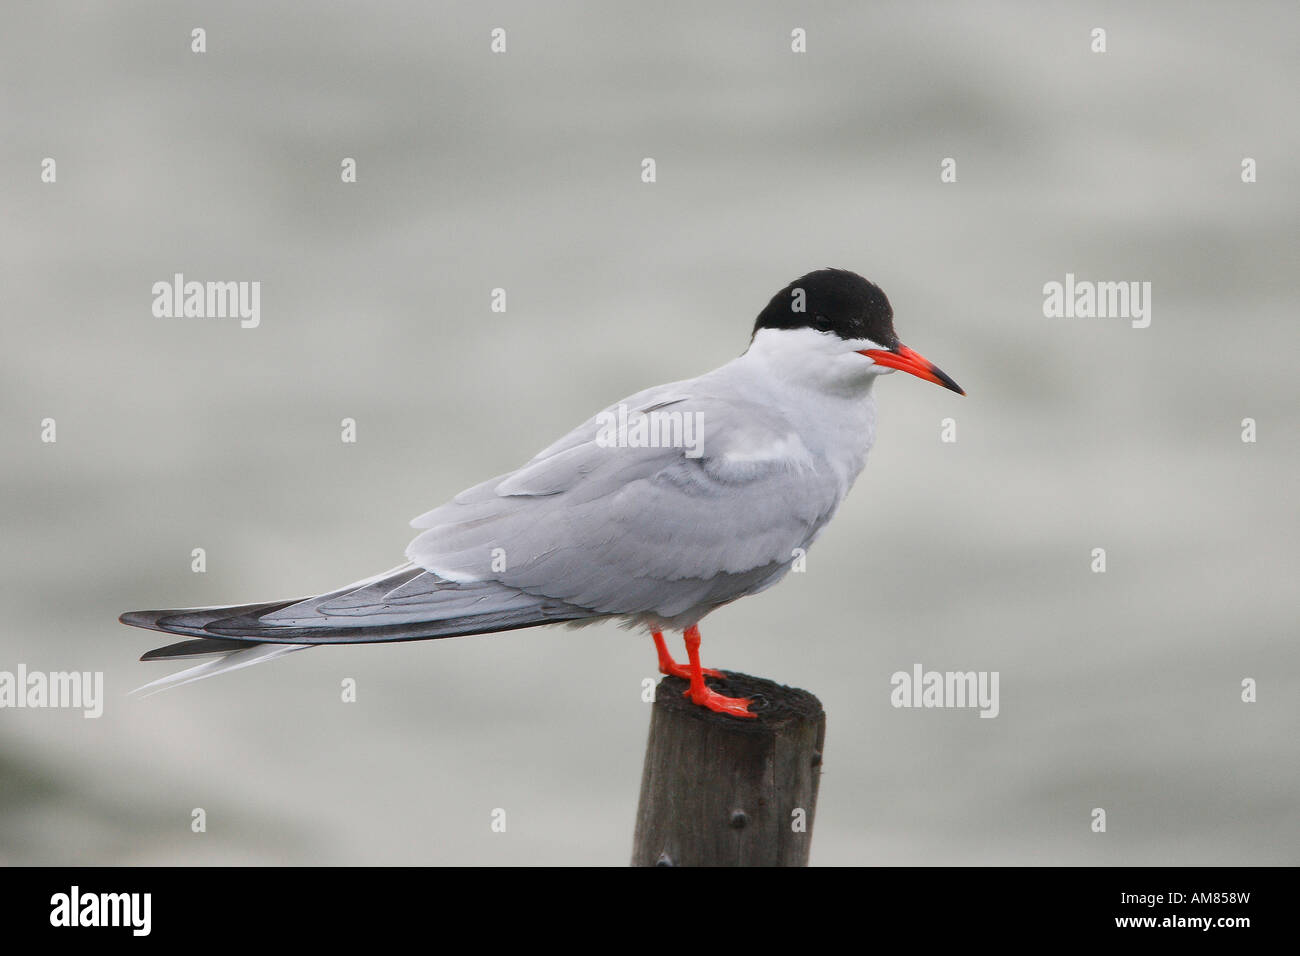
point(820, 386)
point(818, 361)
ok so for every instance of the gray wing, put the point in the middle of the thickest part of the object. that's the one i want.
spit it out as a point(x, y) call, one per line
point(641, 530)
point(584, 530)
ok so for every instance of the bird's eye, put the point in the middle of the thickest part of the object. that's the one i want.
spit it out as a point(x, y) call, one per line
point(821, 323)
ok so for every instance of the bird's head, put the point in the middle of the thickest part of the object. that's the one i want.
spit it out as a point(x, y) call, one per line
point(834, 325)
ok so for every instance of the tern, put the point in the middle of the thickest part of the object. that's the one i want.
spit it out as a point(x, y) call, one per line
point(656, 511)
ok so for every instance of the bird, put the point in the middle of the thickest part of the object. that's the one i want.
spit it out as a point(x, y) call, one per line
point(658, 510)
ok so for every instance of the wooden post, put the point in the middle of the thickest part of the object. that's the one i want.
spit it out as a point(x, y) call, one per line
point(729, 791)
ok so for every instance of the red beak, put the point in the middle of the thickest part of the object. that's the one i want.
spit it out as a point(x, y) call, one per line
point(906, 360)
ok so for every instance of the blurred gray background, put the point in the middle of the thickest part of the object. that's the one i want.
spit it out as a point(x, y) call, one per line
point(1118, 690)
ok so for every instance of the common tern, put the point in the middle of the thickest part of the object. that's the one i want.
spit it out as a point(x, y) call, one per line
point(661, 508)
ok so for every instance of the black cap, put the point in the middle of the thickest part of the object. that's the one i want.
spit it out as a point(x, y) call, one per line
point(833, 300)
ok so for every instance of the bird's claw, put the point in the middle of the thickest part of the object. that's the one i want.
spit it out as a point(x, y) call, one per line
point(735, 706)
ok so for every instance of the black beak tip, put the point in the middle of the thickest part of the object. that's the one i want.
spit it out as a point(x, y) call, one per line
point(947, 382)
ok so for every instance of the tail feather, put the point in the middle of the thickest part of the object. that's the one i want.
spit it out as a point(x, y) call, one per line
point(228, 661)
point(407, 603)
point(199, 647)
point(194, 620)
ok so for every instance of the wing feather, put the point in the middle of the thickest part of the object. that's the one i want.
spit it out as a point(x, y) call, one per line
point(641, 530)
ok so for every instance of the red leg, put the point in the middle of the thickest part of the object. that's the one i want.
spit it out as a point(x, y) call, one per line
point(669, 666)
point(702, 695)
